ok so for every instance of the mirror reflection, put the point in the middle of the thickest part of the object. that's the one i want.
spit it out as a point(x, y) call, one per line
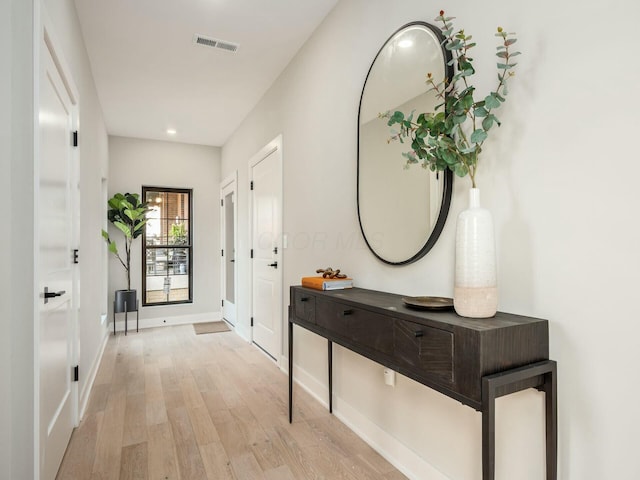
point(402, 210)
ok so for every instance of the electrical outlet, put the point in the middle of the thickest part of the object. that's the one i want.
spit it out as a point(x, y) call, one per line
point(389, 377)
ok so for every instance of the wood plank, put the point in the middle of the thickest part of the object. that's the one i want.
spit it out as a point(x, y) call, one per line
point(203, 427)
point(282, 472)
point(246, 466)
point(106, 465)
point(80, 454)
point(134, 462)
point(162, 460)
point(216, 462)
point(135, 420)
point(189, 460)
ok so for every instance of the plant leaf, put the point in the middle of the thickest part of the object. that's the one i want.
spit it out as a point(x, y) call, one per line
point(480, 112)
point(491, 102)
point(123, 228)
point(478, 136)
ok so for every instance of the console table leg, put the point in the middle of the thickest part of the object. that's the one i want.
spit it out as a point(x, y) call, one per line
point(290, 372)
point(330, 356)
point(488, 430)
point(551, 420)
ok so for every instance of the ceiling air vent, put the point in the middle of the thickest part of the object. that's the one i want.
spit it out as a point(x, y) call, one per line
point(214, 43)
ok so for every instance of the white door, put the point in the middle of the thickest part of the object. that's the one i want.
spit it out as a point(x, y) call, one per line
point(228, 241)
point(56, 179)
point(266, 176)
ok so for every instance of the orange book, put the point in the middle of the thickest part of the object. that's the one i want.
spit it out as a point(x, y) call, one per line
point(320, 283)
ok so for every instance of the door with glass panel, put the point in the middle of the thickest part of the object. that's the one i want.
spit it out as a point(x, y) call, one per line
point(167, 246)
point(228, 237)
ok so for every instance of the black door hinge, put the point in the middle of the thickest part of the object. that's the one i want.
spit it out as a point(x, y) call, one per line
point(221, 202)
point(252, 253)
point(223, 303)
point(222, 252)
point(252, 321)
point(75, 138)
point(251, 184)
point(76, 373)
point(75, 255)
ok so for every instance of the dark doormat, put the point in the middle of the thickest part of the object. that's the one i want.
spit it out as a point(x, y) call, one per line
point(210, 327)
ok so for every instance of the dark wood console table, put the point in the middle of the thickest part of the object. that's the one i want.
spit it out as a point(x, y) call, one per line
point(473, 361)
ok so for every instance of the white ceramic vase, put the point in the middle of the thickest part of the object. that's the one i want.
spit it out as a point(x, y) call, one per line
point(475, 292)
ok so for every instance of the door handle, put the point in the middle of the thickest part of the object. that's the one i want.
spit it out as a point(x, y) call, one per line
point(274, 265)
point(48, 294)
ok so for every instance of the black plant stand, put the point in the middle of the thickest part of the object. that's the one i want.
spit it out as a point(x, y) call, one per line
point(122, 304)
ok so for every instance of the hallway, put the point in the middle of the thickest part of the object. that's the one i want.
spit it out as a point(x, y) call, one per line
point(168, 404)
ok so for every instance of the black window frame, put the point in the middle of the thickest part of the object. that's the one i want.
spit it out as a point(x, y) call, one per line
point(188, 246)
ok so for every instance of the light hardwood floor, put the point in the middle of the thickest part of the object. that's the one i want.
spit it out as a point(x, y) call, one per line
point(168, 404)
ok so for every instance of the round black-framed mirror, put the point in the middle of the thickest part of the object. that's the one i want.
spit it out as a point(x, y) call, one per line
point(401, 211)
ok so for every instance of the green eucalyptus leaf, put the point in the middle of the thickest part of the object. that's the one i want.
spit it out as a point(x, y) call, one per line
point(448, 156)
point(478, 136)
point(487, 123)
point(460, 169)
point(491, 102)
point(510, 41)
point(480, 112)
point(514, 54)
point(398, 116)
point(502, 54)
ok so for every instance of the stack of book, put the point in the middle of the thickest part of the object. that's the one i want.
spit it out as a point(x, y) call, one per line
point(320, 283)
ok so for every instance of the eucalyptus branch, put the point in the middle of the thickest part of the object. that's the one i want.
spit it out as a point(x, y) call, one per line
point(453, 139)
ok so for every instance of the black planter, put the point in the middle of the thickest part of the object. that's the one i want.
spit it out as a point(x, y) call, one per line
point(125, 301)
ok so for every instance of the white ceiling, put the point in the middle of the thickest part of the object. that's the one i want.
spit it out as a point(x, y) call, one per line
point(151, 77)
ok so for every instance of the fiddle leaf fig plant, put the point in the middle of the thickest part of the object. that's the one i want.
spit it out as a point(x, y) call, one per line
point(128, 214)
point(453, 138)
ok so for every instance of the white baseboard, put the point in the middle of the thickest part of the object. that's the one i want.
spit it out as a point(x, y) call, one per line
point(91, 377)
point(165, 321)
point(396, 453)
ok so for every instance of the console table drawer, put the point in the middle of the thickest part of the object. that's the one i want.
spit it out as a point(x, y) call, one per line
point(305, 306)
point(333, 316)
point(372, 330)
point(427, 349)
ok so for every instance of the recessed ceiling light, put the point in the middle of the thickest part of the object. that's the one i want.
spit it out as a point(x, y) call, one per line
point(405, 43)
point(171, 131)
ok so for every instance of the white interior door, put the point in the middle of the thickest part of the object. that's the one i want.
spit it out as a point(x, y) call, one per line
point(266, 175)
point(56, 229)
point(228, 219)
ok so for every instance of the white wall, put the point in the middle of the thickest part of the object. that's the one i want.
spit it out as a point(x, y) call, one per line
point(136, 162)
point(558, 178)
point(16, 284)
point(93, 167)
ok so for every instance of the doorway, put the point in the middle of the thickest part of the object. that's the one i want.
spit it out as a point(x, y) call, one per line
point(228, 236)
point(265, 171)
point(57, 219)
